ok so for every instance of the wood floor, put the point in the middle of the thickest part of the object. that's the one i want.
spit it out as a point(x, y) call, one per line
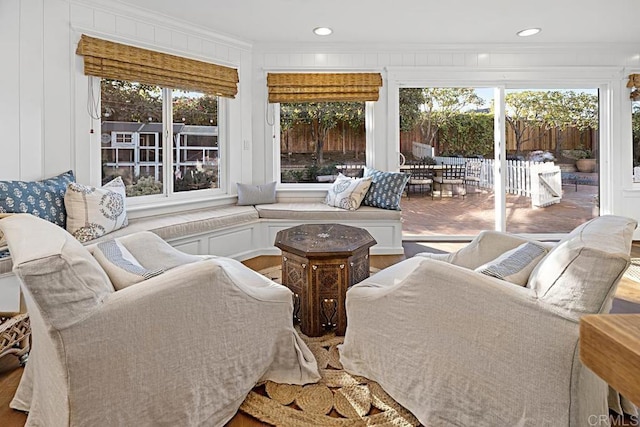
point(11, 372)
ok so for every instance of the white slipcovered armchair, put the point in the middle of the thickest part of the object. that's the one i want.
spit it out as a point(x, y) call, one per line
point(460, 348)
point(181, 348)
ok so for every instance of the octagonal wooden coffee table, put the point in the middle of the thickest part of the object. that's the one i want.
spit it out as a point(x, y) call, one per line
point(319, 263)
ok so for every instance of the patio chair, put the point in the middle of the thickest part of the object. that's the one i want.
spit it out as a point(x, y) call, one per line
point(421, 175)
point(472, 174)
point(451, 175)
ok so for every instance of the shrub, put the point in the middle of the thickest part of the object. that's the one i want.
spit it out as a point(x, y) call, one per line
point(144, 186)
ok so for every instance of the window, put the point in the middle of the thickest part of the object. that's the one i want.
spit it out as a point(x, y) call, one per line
point(134, 119)
point(320, 139)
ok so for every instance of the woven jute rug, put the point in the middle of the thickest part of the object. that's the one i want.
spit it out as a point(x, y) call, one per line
point(633, 272)
point(338, 399)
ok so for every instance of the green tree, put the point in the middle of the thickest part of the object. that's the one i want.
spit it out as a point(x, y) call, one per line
point(124, 101)
point(134, 102)
point(440, 104)
point(411, 100)
point(528, 111)
point(196, 110)
point(467, 134)
point(525, 114)
point(635, 127)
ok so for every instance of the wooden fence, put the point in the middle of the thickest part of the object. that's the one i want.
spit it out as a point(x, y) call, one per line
point(343, 138)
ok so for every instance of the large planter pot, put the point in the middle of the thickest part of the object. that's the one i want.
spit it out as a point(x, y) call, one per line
point(586, 165)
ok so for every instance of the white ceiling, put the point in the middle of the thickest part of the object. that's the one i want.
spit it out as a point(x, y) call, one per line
point(409, 21)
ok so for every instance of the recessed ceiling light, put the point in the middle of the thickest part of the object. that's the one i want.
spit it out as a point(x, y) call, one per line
point(528, 32)
point(322, 31)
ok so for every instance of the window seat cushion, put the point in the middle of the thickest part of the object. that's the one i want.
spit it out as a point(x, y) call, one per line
point(187, 223)
point(318, 211)
point(175, 225)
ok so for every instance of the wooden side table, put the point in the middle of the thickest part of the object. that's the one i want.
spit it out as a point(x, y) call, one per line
point(319, 263)
point(610, 347)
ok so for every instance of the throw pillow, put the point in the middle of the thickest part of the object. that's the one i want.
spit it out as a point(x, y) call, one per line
point(121, 267)
point(347, 193)
point(136, 257)
point(386, 188)
point(93, 212)
point(44, 199)
point(515, 265)
point(256, 194)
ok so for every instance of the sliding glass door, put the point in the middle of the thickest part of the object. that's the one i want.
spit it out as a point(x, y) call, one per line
point(551, 171)
point(521, 153)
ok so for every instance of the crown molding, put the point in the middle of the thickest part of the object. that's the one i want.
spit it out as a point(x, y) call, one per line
point(118, 8)
point(628, 48)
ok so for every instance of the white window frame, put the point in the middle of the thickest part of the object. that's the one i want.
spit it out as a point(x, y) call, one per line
point(169, 197)
point(277, 175)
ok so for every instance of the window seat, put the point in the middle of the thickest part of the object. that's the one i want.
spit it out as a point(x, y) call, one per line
point(176, 225)
point(239, 232)
point(243, 232)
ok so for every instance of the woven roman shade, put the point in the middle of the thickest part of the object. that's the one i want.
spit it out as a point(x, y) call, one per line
point(323, 87)
point(634, 82)
point(112, 60)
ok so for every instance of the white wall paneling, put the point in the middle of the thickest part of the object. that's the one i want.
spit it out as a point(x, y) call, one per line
point(46, 128)
point(57, 66)
point(10, 100)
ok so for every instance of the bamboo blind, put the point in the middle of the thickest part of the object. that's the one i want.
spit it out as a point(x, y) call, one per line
point(634, 82)
point(323, 87)
point(112, 60)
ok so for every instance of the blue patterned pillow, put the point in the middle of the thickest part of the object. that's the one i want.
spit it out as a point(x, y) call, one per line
point(44, 199)
point(386, 188)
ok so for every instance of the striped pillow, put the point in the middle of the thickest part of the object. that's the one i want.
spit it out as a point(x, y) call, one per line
point(120, 265)
point(515, 265)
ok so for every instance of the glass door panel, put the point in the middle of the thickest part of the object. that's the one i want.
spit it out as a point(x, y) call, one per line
point(450, 132)
point(551, 173)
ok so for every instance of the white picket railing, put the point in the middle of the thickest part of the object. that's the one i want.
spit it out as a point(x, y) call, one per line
point(546, 184)
point(540, 181)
